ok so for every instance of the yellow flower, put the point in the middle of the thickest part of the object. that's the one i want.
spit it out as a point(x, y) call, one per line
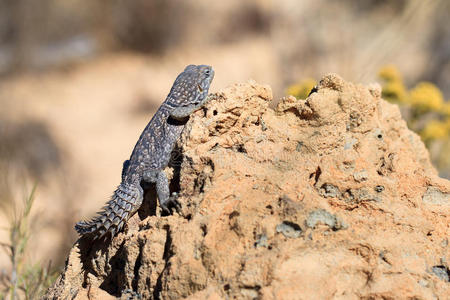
point(446, 108)
point(436, 130)
point(302, 89)
point(394, 91)
point(390, 73)
point(427, 97)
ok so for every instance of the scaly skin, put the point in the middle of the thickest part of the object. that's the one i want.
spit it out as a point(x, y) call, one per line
point(152, 153)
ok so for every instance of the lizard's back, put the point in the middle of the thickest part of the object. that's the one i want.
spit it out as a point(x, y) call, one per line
point(154, 147)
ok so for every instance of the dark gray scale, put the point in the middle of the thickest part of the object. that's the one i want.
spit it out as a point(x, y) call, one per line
point(152, 152)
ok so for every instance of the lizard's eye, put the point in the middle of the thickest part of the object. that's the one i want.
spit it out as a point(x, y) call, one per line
point(207, 72)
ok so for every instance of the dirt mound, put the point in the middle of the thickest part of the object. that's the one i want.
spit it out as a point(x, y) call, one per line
point(328, 197)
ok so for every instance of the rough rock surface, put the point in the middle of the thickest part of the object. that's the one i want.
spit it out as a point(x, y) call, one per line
point(328, 197)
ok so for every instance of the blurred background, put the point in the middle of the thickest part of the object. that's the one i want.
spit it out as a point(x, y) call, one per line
point(79, 80)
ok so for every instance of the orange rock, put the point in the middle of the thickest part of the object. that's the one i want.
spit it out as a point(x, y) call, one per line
point(328, 197)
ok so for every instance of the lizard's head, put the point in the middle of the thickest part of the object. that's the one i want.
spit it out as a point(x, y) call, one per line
point(192, 85)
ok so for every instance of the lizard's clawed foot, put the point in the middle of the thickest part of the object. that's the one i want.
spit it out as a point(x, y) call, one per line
point(173, 199)
point(172, 203)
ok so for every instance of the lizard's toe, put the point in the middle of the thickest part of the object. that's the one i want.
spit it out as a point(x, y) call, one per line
point(177, 205)
point(165, 208)
point(171, 204)
point(174, 201)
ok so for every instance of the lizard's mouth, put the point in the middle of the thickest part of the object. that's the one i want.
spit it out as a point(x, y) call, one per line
point(200, 88)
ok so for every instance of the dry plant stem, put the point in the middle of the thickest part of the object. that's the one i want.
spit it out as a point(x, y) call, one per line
point(18, 234)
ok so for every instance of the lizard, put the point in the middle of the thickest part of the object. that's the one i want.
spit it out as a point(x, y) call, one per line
point(152, 153)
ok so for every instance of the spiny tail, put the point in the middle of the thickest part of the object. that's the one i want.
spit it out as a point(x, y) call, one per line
point(123, 204)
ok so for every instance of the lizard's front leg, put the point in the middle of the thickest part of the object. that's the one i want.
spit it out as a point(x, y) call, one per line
point(182, 112)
